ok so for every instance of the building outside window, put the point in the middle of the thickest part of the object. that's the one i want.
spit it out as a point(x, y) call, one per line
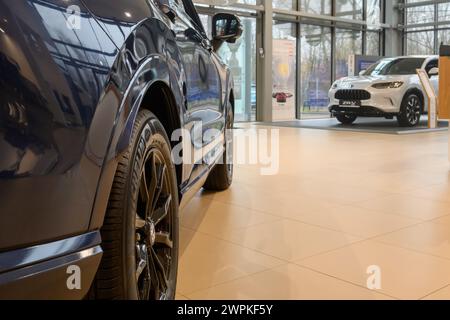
point(427, 26)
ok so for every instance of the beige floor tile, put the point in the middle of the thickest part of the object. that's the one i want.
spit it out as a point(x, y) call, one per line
point(357, 221)
point(440, 192)
point(443, 294)
point(403, 181)
point(249, 197)
point(444, 220)
point(330, 186)
point(387, 182)
point(295, 207)
point(218, 219)
point(405, 274)
point(288, 282)
point(429, 238)
point(408, 206)
point(206, 261)
point(278, 184)
point(290, 240)
point(338, 192)
point(282, 204)
point(400, 155)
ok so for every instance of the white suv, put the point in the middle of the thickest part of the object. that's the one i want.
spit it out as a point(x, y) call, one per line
point(389, 88)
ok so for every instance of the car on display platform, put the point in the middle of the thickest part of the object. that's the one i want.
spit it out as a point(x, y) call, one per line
point(90, 93)
point(389, 88)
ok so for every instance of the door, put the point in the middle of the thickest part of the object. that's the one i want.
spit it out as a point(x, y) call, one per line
point(52, 75)
point(203, 86)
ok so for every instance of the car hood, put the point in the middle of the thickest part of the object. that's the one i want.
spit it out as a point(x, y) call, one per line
point(362, 81)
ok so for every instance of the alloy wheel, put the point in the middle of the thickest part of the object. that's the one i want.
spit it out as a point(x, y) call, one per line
point(413, 110)
point(154, 229)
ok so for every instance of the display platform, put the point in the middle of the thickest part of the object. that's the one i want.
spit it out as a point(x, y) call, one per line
point(366, 125)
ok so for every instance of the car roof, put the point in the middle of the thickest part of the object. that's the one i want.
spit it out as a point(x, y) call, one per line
point(427, 57)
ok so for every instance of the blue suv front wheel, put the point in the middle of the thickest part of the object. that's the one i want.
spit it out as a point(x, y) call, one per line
point(140, 233)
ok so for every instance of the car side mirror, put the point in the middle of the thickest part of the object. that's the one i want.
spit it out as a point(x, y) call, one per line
point(226, 28)
point(362, 72)
point(433, 72)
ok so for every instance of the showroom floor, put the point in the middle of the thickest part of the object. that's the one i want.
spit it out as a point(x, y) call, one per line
point(342, 202)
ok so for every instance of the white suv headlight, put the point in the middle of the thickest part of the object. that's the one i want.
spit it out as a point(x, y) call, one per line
point(388, 85)
point(335, 85)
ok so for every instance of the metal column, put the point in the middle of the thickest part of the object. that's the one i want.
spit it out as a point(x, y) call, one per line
point(264, 64)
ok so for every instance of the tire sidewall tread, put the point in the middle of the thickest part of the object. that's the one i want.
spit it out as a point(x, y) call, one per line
point(118, 232)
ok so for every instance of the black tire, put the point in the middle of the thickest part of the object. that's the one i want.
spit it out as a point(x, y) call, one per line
point(410, 111)
point(141, 223)
point(346, 118)
point(221, 176)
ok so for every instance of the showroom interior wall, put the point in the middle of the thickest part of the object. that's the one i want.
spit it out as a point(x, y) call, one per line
point(320, 35)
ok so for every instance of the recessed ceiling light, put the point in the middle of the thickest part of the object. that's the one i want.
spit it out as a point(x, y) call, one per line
point(127, 14)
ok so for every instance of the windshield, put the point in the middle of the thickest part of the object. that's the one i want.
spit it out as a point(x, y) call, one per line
point(402, 66)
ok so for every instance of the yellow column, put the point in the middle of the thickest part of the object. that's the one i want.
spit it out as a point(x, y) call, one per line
point(444, 83)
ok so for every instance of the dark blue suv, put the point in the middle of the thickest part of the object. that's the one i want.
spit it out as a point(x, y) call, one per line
point(92, 94)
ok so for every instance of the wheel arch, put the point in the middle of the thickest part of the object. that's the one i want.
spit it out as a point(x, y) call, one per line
point(160, 100)
point(151, 83)
point(419, 93)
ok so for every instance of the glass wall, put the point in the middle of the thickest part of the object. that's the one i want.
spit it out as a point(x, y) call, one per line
point(374, 13)
point(349, 9)
point(427, 26)
point(323, 7)
point(443, 35)
point(284, 71)
point(420, 42)
point(444, 12)
point(285, 4)
point(373, 43)
point(373, 35)
point(321, 61)
point(316, 70)
point(241, 57)
point(350, 43)
point(309, 53)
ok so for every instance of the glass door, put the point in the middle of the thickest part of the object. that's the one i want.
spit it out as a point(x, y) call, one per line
point(315, 69)
point(284, 70)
